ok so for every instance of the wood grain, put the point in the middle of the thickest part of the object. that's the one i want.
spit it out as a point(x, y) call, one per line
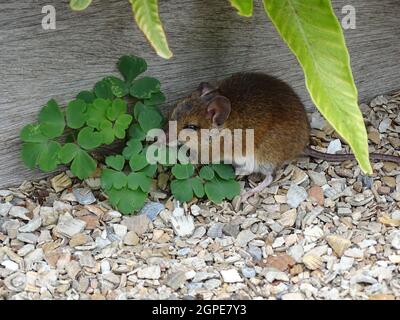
point(208, 39)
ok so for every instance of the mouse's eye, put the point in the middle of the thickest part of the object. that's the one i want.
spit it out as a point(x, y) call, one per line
point(191, 127)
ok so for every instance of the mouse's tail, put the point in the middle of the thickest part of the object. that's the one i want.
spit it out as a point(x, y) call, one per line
point(343, 157)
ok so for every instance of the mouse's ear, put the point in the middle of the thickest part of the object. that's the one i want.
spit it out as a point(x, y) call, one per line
point(206, 88)
point(218, 110)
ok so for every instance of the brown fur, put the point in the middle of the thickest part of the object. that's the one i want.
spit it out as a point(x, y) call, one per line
point(259, 102)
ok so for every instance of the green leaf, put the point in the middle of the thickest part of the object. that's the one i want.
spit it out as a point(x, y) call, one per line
point(131, 66)
point(118, 87)
point(183, 171)
point(148, 20)
point(125, 200)
point(116, 162)
point(87, 96)
point(197, 186)
point(206, 173)
point(89, 139)
point(107, 135)
point(133, 146)
point(96, 112)
point(102, 89)
point(225, 171)
point(48, 158)
point(136, 132)
point(150, 119)
point(143, 88)
point(75, 112)
point(117, 108)
point(30, 153)
point(51, 120)
point(68, 152)
point(83, 165)
point(138, 109)
point(139, 179)
point(182, 190)
point(244, 7)
point(138, 161)
point(79, 5)
point(113, 179)
point(150, 170)
point(218, 189)
point(313, 33)
point(32, 133)
point(155, 99)
point(121, 125)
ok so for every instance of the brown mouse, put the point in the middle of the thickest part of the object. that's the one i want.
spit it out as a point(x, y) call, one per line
point(263, 103)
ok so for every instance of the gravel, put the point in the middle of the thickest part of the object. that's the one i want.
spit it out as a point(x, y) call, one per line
point(321, 231)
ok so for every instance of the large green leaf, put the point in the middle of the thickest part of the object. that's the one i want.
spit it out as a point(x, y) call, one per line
point(51, 120)
point(79, 5)
point(244, 7)
point(312, 31)
point(148, 20)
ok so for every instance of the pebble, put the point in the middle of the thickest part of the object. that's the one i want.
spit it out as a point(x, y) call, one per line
point(255, 252)
point(244, 237)
point(176, 280)
point(32, 225)
point(231, 229)
point(334, 146)
point(138, 224)
point(5, 208)
point(317, 194)
point(248, 272)
point(19, 212)
point(212, 284)
point(396, 240)
point(10, 265)
point(288, 218)
point(152, 209)
point(293, 296)
point(27, 237)
point(231, 276)
point(68, 226)
point(215, 231)
point(272, 274)
point(131, 238)
point(317, 178)
point(84, 196)
point(296, 195)
point(120, 230)
point(150, 272)
point(48, 215)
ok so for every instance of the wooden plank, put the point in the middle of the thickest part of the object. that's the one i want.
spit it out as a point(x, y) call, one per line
point(209, 41)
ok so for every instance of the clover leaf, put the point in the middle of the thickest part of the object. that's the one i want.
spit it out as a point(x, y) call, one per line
point(32, 133)
point(102, 89)
point(150, 119)
point(133, 146)
point(183, 190)
point(131, 66)
point(87, 96)
point(117, 108)
point(51, 120)
point(136, 132)
point(89, 139)
point(139, 179)
point(155, 99)
point(75, 112)
point(225, 171)
point(206, 173)
point(83, 165)
point(116, 162)
point(218, 189)
point(118, 87)
point(96, 112)
point(138, 161)
point(183, 171)
point(126, 200)
point(143, 88)
point(113, 179)
point(121, 124)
